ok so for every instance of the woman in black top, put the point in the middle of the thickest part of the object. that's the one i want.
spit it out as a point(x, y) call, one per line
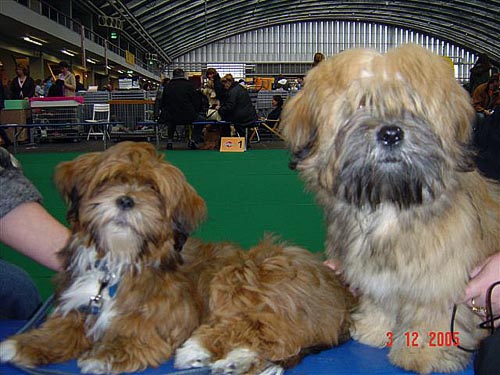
point(22, 86)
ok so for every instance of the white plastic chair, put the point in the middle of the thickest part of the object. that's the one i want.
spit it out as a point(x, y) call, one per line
point(101, 114)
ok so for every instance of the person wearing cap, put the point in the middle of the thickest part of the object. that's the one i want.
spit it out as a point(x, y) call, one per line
point(68, 78)
point(180, 105)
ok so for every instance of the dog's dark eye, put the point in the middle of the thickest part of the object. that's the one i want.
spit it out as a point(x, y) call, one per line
point(151, 187)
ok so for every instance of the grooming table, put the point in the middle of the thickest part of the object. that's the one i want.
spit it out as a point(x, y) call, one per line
point(350, 358)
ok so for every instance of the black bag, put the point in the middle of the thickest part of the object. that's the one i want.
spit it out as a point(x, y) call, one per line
point(56, 89)
point(487, 361)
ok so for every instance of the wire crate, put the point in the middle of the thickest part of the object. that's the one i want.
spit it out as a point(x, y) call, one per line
point(135, 110)
point(56, 117)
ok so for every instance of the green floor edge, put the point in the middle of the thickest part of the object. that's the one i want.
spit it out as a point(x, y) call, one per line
point(247, 195)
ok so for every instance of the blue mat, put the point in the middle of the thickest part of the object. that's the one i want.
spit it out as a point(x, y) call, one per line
point(350, 358)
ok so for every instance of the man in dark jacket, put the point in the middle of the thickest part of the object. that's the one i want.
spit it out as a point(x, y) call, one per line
point(179, 105)
point(237, 107)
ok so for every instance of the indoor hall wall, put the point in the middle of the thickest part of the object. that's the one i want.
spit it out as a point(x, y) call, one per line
point(297, 43)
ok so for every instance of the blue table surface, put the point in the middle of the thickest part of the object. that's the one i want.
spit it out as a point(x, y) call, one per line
point(349, 358)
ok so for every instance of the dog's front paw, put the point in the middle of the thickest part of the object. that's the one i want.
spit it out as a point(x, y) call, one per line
point(237, 361)
point(371, 326)
point(191, 354)
point(91, 365)
point(8, 350)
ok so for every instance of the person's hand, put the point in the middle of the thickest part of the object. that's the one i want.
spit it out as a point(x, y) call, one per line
point(482, 277)
point(334, 265)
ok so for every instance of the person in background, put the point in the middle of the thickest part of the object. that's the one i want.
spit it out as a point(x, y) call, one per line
point(485, 98)
point(79, 85)
point(281, 83)
point(28, 228)
point(47, 83)
point(318, 57)
point(209, 88)
point(180, 104)
point(275, 114)
point(22, 85)
point(68, 79)
point(482, 70)
point(300, 83)
point(38, 88)
point(237, 107)
point(158, 96)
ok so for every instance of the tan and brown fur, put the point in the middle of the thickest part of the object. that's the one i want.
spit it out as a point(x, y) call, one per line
point(156, 308)
point(131, 213)
point(409, 219)
point(275, 301)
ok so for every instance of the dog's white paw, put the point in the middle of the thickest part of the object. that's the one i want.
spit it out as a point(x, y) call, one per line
point(191, 354)
point(94, 366)
point(7, 350)
point(273, 370)
point(238, 361)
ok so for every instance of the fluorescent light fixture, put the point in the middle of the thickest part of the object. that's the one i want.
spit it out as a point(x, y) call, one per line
point(91, 61)
point(31, 40)
point(69, 53)
point(109, 67)
point(120, 71)
point(130, 71)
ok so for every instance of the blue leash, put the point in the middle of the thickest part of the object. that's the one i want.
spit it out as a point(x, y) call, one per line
point(38, 317)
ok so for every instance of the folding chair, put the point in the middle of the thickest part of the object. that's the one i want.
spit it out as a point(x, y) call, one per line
point(274, 129)
point(101, 114)
point(255, 132)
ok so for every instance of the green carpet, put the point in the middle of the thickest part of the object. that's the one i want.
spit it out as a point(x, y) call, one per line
point(247, 195)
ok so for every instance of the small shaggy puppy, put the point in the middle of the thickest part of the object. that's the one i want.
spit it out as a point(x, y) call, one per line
point(128, 297)
point(121, 305)
point(382, 141)
point(266, 308)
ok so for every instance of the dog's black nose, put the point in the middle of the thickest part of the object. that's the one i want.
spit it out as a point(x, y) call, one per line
point(390, 135)
point(125, 202)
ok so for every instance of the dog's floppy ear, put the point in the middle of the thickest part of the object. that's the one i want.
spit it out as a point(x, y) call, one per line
point(72, 177)
point(187, 208)
point(188, 214)
point(298, 126)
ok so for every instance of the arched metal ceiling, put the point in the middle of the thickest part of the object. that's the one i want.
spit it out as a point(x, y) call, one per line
point(176, 27)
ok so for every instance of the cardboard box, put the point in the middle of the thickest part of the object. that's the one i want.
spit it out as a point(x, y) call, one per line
point(20, 117)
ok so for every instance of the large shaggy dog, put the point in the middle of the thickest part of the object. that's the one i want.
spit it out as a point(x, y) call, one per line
point(132, 290)
point(382, 141)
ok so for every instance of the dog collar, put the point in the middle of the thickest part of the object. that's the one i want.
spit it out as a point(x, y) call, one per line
point(95, 304)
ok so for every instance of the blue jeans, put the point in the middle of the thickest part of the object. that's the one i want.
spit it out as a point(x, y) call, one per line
point(18, 294)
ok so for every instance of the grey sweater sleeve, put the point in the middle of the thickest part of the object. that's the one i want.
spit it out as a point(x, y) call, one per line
point(15, 189)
